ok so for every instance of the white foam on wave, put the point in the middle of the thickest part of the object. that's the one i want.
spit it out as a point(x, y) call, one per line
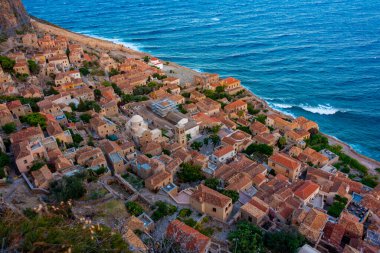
point(283, 106)
point(320, 109)
point(197, 70)
point(215, 19)
point(114, 40)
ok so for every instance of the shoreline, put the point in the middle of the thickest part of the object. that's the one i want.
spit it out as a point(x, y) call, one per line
point(45, 26)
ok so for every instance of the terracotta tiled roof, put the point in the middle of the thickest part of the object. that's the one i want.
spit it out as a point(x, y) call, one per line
point(234, 105)
point(189, 238)
point(205, 194)
point(285, 161)
point(223, 151)
point(306, 190)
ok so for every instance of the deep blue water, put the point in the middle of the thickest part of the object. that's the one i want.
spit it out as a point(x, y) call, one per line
point(320, 59)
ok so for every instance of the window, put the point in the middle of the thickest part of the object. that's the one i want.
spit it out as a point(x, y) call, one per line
point(214, 209)
point(250, 219)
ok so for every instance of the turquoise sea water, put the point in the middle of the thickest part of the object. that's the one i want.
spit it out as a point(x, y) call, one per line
point(320, 59)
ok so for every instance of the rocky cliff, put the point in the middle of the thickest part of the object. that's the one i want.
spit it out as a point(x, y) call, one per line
point(13, 17)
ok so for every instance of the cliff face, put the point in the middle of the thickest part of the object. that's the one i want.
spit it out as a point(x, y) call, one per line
point(13, 17)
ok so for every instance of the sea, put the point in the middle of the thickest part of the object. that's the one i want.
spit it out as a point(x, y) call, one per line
point(315, 58)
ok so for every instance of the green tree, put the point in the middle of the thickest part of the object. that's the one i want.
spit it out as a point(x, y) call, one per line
point(134, 208)
point(261, 118)
point(34, 68)
point(337, 206)
point(284, 241)
point(163, 209)
point(146, 59)
point(4, 159)
point(215, 139)
point(97, 94)
point(9, 128)
point(7, 64)
point(281, 142)
point(84, 71)
point(190, 173)
point(246, 238)
point(259, 148)
point(234, 195)
point(50, 91)
point(113, 72)
point(67, 188)
point(212, 183)
point(34, 119)
point(85, 117)
point(196, 145)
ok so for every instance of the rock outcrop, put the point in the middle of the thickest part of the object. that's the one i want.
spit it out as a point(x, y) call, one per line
point(13, 17)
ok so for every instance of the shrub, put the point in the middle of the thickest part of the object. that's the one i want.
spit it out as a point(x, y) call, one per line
point(134, 208)
point(185, 212)
point(85, 117)
point(68, 188)
point(34, 119)
point(163, 209)
point(9, 128)
point(337, 207)
point(190, 173)
point(34, 68)
point(7, 64)
point(259, 148)
point(261, 118)
point(234, 195)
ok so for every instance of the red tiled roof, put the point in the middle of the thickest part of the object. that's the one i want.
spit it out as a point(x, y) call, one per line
point(306, 190)
point(189, 238)
point(285, 161)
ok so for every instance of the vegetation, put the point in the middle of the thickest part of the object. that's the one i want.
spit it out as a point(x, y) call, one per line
point(370, 180)
point(34, 68)
point(337, 207)
point(2, 173)
point(246, 238)
point(163, 209)
point(213, 183)
point(196, 145)
point(128, 98)
point(190, 173)
point(85, 106)
point(85, 117)
point(244, 129)
point(318, 142)
point(77, 138)
point(234, 195)
point(259, 148)
point(250, 238)
point(252, 110)
point(219, 93)
point(113, 72)
point(84, 71)
point(34, 119)
point(56, 232)
point(281, 142)
point(22, 77)
point(284, 241)
point(261, 118)
point(134, 208)
point(7, 64)
point(30, 101)
point(181, 109)
point(185, 212)
point(9, 128)
point(37, 165)
point(68, 188)
point(51, 91)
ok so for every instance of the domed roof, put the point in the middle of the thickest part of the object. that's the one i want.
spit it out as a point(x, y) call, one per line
point(136, 119)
